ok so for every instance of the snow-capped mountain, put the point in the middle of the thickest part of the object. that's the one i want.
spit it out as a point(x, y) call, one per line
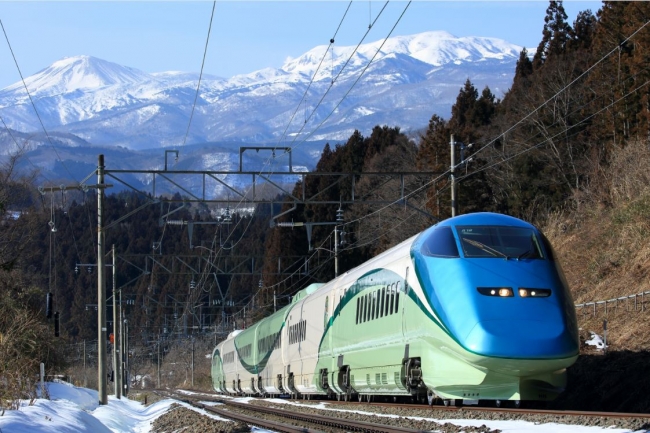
point(87, 102)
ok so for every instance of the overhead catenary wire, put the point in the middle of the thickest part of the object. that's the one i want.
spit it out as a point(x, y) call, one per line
point(559, 133)
point(359, 77)
point(523, 119)
point(337, 77)
point(563, 132)
point(21, 148)
point(198, 85)
point(31, 100)
point(343, 67)
point(395, 226)
point(268, 161)
point(533, 112)
point(331, 42)
point(304, 96)
point(587, 71)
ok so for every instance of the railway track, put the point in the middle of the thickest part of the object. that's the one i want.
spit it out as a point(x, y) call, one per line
point(525, 411)
point(299, 422)
point(389, 417)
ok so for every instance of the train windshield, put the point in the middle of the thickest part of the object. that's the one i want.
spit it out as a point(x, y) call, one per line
point(440, 243)
point(500, 242)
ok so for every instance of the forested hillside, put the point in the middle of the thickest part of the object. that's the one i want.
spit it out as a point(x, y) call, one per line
point(567, 149)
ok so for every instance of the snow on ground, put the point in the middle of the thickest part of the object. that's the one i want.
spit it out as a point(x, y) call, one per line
point(76, 410)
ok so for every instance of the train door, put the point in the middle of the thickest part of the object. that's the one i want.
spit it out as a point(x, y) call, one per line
point(401, 298)
point(300, 342)
point(286, 355)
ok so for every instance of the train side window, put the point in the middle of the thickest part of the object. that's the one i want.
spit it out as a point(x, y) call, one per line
point(326, 314)
point(369, 300)
point(396, 299)
point(440, 243)
point(376, 301)
point(367, 306)
point(357, 321)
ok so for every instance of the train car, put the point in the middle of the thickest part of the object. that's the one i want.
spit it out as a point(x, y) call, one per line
point(474, 308)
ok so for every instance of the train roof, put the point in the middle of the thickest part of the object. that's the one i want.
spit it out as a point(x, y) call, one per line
point(306, 292)
point(484, 218)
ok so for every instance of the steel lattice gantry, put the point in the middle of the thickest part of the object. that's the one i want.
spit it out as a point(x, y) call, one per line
point(243, 186)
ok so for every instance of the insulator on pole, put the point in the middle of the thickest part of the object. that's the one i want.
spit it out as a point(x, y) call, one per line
point(290, 224)
point(48, 306)
point(56, 324)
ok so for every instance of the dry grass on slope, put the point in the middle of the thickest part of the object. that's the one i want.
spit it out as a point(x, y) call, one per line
point(604, 250)
point(605, 257)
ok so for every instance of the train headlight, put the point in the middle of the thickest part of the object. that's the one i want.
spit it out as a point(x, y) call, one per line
point(505, 292)
point(534, 293)
point(501, 292)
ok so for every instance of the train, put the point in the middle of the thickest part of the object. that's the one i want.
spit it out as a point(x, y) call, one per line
point(473, 310)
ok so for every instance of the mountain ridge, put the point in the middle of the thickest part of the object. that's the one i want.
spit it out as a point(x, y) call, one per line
point(410, 79)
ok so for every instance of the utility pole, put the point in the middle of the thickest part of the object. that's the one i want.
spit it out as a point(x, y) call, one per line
point(453, 180)
point(85, 376)
point(339, 220)
point(463, 160)
point(101, 287)
point(192, 361)
point(116, 326)
point(158, 361)
point(121, 348)
point(336, 251)
point(126, 357)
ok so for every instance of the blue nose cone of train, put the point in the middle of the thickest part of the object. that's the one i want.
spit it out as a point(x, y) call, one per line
point(464, 294)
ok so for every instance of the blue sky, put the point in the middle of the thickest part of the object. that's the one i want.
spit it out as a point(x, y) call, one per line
point(246, 36)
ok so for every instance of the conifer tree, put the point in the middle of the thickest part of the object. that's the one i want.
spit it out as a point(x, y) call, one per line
point(462, 111)
point(434, 155)
point(523, 71)
point(555, 35)
point(584, 28)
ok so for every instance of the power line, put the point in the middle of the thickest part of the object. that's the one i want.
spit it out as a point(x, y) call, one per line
point(513, 126)
point(532, 112)
point(588, 70)
point(346, 63)
point(314, 75)
point(359, 77)
point(559, 133)
point(34, 105)
point(196, 96)
point(21, 148)
point(268, 161)
point(337, 76)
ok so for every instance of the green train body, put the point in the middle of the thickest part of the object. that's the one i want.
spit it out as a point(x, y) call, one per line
point(381, 329)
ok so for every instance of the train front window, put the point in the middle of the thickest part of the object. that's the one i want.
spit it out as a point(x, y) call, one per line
point(440, 243)
point(500, 242)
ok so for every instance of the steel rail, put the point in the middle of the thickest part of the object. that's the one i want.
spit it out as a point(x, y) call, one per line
point(330, 422)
